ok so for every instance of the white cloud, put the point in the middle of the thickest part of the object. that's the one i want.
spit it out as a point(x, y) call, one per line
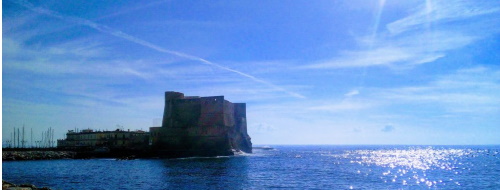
point(81, 57)
point(419, 45)
point(400, 52)
point(467, 91)
point(117, 33)
point(342, 106)
point(87, 48)
point(443, 11)
point(352, 93)
point(88, 73)
point(379, 56)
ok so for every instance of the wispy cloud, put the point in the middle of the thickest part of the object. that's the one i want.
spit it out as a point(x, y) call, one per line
point(419, 44)
point(120, 34)
point(442, 11)
point(352, 93)
point(91, 78)
point(467, 91)
point(81, 57)
point(342, 106)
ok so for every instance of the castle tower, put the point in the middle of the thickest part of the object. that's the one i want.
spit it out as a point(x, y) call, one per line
point(168, 118)
point(201, 126)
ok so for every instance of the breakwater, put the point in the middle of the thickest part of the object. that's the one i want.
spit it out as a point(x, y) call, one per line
point(36, 155)
point(53, 154)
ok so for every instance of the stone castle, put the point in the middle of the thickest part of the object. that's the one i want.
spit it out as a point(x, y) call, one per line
point(201, 126)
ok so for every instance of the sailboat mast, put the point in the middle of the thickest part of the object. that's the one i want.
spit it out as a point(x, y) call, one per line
point(18, 137)
point(14, 137)
point(22, 142)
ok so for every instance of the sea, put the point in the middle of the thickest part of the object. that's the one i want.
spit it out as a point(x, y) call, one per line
point(282, 167)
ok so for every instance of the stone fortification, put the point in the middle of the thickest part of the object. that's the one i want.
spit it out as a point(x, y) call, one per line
point(201, 126)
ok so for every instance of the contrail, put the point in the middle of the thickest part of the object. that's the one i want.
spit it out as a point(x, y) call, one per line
point(378, 15)
point(120, 34)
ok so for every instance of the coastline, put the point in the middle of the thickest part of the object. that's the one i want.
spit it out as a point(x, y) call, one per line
point(16, 155)
point(119, 154)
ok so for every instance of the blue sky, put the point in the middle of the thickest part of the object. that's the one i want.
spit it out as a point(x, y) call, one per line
point(320, 72)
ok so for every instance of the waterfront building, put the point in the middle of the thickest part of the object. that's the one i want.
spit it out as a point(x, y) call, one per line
point(90, 139)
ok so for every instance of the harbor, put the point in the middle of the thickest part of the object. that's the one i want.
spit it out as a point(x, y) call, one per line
point(192, 126)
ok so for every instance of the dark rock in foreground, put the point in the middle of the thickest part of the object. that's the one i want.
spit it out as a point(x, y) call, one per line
point(10, 186)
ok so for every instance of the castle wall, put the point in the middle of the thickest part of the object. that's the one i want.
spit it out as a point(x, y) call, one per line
point(200, 126)
point(168, 118)
point(240, 115)
point(211, 111)
point(186, 112)
point(228, 114)
point(241, 139)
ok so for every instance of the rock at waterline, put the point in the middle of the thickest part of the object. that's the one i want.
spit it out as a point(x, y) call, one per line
point(10, 186)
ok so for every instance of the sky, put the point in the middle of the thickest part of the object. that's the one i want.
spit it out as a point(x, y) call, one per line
point(310, 72)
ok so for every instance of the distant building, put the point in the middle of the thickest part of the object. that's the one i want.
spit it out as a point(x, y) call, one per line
point(118, 139)
point(201, 126)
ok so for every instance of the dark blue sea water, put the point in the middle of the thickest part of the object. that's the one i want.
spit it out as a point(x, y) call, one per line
point(287, 167)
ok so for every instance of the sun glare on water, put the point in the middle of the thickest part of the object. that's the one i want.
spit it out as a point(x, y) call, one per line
point(429, 166)
point(422, 159)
